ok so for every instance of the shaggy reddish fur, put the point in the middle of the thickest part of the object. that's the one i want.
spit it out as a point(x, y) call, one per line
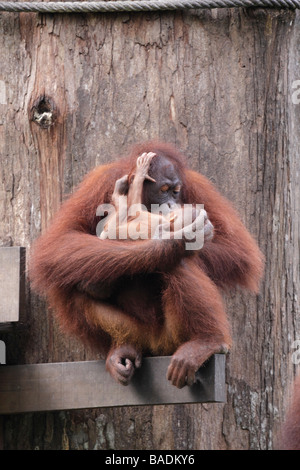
point(157, 304)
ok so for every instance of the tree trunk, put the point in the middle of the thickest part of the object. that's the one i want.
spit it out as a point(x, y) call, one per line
point(76, 91)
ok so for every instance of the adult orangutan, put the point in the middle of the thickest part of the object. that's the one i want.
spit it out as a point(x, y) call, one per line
point(128, 298)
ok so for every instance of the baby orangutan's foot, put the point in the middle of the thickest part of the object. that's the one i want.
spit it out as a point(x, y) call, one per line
point(120, 189)
point(143, 164)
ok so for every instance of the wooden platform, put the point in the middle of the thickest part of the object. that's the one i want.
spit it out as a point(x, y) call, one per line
point(78, 385)
point(12, 285)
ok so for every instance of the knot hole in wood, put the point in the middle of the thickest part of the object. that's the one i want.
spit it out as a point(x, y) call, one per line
point(43, 112)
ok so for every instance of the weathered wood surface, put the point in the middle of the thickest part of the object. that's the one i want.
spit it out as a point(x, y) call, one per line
point(86, 384)
point(12, 283)
point(219, 85)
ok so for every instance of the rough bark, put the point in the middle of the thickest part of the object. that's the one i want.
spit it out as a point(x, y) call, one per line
point(218, 84)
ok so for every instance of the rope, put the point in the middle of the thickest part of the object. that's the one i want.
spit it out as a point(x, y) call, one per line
point(140, 5)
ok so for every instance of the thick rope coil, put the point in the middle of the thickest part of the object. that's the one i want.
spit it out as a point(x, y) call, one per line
point(140, 5)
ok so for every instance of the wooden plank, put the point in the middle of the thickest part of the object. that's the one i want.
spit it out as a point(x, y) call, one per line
point(77, 385)
point(2, 352)
point(12, 283)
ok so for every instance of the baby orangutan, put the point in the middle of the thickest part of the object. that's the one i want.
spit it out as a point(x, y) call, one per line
point(132, 220)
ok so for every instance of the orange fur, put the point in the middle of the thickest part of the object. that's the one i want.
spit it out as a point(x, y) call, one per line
point(158, 295)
